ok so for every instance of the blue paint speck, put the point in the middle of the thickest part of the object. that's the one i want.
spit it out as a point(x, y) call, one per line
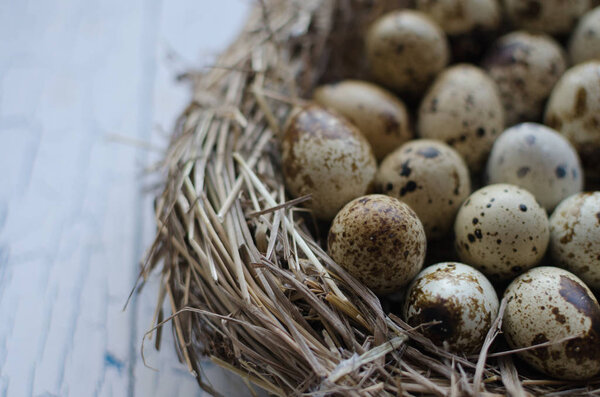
point(112, 361)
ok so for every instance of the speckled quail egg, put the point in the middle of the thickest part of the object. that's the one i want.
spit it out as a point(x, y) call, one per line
point(548, 304)
point(458, 296)
point(501, 230)
point(538, 159)
point(406, 50)
point(431, 178)
point(575, 236)
point(585, 40)
point(462, 16)
point(525, 67)
point(463, 109)
point(574, 110)
point(326, 156)
point(550, 16)
point(379, 240)
point(379, 115)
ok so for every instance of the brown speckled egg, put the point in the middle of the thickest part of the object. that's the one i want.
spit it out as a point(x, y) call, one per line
point(458, 296)
point(525, 67)
point(538, 159)
point(585, 40)
point(575, 236)
point(379, 115)
point(501, 230)
point(431, 178)
point(574, 110)
point(548, 304)
point(463, 109)
point(462, 16)
point(326, 156)
point(550, 16)
point(406, 50)
point(379, 240)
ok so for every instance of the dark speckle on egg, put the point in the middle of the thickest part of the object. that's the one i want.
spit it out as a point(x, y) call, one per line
point(409, 187)
point(405, 170)
point(429, 152)
point(561, 172)
point(521, 172)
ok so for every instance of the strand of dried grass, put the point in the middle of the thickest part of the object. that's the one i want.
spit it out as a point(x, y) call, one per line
point(247, 283)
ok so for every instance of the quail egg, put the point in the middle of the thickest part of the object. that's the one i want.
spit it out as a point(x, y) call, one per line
point(460, 298)
point(525, 67)
point(463, 109)
point(431, 178)
point(538, 159)
point(326, 156)
point(462, 16)
point(550, 16)
point(501, 230)
point(379, 240)
point(574, 110)
point(406, 50)
point(575, 236)
point(379, 115)
point(548, 304)
point(585, 40)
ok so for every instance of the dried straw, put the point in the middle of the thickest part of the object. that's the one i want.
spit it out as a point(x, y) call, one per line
point(248, 284)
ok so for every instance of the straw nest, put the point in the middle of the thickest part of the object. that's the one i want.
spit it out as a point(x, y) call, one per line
point(242, 266)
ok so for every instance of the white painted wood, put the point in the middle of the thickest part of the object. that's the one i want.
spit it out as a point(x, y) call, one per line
point(74, 220)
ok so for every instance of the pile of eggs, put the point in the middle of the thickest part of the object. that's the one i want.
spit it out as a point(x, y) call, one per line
point(493, 155)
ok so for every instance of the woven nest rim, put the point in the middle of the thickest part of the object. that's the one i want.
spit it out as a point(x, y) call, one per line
point(246, 280)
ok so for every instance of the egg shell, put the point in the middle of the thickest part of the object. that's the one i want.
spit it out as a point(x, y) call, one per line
point(431, 178)
point(525, 66)
point(379, 115)
point(548, 304)
point(574, 110)
point(575, 236)
point(462, 16)
point(463, 109)
point(549, 16)
point(585, 40)
point(501, 231)
point(379, 240)
point(457, 295)
point(538, 159)
point(406, 50)
point(326, 156)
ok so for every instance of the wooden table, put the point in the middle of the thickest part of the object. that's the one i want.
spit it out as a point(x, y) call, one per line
point(75, 215)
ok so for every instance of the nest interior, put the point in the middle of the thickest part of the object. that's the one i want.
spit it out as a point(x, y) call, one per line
point(242, 266)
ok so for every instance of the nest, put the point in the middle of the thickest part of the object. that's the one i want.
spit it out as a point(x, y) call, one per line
point(242, 266)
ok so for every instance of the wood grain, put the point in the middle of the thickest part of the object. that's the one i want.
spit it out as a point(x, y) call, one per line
point(75, 215)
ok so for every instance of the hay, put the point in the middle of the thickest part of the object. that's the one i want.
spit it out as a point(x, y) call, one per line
point(242, 268)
